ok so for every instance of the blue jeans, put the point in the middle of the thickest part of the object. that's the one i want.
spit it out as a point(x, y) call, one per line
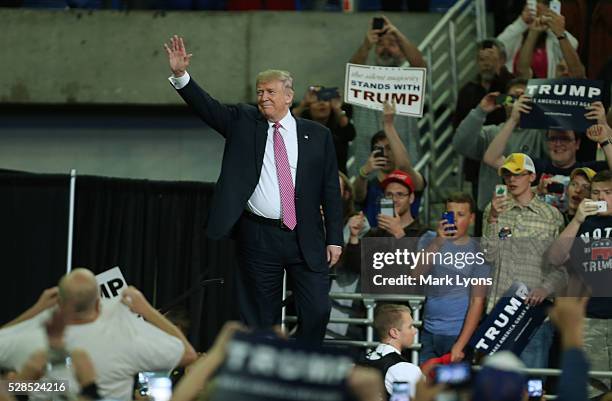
point(535, 354)
point(434, 345)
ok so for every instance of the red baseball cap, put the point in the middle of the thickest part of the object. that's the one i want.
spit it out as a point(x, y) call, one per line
point(398, 176)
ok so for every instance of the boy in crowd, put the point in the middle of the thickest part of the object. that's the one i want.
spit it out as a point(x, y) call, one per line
point(399, 187)
point(393, 323)
point(586, 246)
point(452, 312)
point(473, 137)
point(562, 146)
point(578, 189)
point(518, 229)
point(388, 154)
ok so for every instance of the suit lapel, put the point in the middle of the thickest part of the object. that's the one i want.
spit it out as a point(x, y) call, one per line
point(301, 141)
point(261, 136)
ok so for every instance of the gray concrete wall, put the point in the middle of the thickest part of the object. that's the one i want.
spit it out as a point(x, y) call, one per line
point(117, 57)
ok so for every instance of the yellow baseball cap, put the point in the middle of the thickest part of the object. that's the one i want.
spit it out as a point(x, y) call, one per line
point(587, 172)
point(517, 163)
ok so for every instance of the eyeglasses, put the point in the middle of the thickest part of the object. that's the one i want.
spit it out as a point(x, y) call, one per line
point(396, 195)
point(560, 139)
point(507, 174)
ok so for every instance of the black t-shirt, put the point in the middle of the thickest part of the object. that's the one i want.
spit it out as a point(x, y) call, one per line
point(545, 166)
point(591, 260)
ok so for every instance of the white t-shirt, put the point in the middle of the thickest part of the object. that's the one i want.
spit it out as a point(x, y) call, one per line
point(400, 372)
point(118, 343)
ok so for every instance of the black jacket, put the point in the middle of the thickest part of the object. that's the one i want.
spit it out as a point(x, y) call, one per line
point(245, 131)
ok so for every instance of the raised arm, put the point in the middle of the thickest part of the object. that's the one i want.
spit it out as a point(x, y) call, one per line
point(138, 304)
point(370, 39)
point(494, 155)
point(47, 299)
point(469, 139)
point(559, 251)
point(411, 52)
point(601, 132)
point(201, 372)
point(567, 43)
point(309, 98)
point(512, 36)
point(402, 159)
point(178, 58)
point(523, 66)
point(211, 111)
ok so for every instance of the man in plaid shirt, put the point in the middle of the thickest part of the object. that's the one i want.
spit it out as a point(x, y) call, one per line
point(518, 229)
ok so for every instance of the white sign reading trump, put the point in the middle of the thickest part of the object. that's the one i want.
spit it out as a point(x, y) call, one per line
point(111, 283)
point(370, 86)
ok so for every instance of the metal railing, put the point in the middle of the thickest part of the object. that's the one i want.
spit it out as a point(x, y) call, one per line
point(369, 300)
point(449, 51)
point(415, 302)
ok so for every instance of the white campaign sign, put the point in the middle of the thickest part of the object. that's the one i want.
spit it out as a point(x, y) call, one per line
point(370, 86)
point(111, 283)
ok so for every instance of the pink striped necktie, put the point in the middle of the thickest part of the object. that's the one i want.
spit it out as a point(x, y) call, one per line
point(285, 183)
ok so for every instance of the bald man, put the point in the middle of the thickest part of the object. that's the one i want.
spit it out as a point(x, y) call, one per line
point(119, 344)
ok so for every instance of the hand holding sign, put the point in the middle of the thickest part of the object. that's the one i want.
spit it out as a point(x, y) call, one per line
point(228, 330)
point(596, 112)
point(134, 300)
point(537, 296)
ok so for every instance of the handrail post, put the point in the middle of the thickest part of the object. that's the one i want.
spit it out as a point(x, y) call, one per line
point(370, 305)
point(432, 131)
point(416, 305)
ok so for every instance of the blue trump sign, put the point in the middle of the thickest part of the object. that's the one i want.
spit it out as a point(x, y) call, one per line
point(560, 104)
point(510, 324)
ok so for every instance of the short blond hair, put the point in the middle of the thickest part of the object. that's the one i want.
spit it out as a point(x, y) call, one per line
point(387, 317)
point(276, 75)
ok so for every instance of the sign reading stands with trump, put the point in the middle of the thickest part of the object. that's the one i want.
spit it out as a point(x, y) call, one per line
point(371, 86)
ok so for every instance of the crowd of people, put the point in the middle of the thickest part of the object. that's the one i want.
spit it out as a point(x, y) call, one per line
point(543, 216)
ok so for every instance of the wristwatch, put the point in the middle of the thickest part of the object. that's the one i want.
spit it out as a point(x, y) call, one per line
point(607, 142)
point(562, 36)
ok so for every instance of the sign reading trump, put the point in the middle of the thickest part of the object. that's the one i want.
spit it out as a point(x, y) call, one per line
point(560, 104)
point(372, 86)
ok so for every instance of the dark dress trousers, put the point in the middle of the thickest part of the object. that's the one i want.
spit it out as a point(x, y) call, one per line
point(265, 250)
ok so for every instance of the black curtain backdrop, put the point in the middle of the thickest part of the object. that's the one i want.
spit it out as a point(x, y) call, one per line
point(154, 231)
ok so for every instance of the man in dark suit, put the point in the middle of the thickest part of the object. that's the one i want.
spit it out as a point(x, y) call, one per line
point(277, 172)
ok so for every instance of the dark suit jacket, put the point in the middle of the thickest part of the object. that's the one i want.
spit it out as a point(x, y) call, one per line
point(245, 131)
